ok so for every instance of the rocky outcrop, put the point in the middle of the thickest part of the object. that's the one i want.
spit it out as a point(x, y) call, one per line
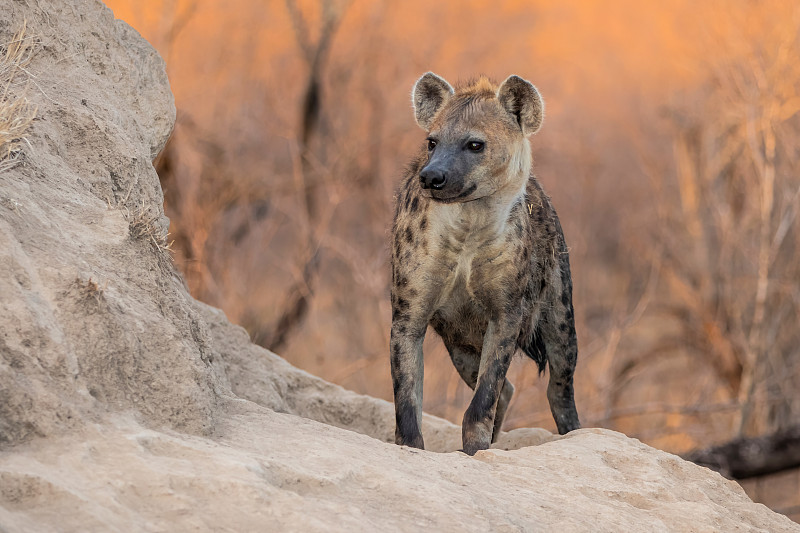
point(126, 405)
point(93, 316)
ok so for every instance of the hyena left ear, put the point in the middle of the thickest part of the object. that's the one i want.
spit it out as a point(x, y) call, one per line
point(520, 98)
point(428, 95)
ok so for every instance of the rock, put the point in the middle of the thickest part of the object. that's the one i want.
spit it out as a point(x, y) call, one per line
point(93, 314)
point(271, 471)
point(126, 405)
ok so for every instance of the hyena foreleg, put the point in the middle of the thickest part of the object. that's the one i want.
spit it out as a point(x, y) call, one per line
point(467, 362)
point(502, 406)
point(499, 345)
point(407, 374)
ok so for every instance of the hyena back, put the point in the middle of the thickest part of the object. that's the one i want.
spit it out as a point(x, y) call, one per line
point(478, 253)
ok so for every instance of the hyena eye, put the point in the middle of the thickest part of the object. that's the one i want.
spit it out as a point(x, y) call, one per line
point(475, 146)
point(431, 144)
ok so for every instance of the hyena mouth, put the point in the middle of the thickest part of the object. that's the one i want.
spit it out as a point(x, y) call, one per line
point(452, 199)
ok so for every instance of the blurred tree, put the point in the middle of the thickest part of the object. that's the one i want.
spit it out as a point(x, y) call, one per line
point(315, 54)
point(728, 242)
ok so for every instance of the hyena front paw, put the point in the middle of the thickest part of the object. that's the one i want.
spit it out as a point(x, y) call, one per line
point(476, 436)
point(413, 441)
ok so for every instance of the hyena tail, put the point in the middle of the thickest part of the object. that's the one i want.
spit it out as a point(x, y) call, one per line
point(533, 346)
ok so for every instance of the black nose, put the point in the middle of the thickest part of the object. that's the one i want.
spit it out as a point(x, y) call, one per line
point(432, 178)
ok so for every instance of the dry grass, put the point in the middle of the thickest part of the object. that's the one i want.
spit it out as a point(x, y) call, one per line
point(90, 289)
point(143, 226)
point(16, 111)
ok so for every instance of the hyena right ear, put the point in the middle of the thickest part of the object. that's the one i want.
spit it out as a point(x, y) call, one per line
point(520, 98)
point(428, 95)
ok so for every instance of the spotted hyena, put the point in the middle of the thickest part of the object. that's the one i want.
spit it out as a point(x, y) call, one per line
point(478, 254)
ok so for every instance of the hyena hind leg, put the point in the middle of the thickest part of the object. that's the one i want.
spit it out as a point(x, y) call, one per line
point(561, 346)
point(467, 363)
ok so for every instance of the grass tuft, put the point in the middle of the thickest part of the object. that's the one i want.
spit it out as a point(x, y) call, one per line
point(143, 225)
point(16, 111)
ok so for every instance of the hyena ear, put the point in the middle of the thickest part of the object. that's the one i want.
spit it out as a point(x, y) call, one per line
point(428, 95)
point(520, 98)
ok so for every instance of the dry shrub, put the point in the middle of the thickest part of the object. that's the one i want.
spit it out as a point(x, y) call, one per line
point(16, 111)
point(143, 225)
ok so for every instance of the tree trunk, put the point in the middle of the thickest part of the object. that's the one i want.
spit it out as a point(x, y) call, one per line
point(750, 457)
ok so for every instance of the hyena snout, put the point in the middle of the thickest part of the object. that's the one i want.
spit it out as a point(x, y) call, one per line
point(443, 176)
point(433, 178)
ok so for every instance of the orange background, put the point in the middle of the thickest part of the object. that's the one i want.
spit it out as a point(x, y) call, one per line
point(621, 81)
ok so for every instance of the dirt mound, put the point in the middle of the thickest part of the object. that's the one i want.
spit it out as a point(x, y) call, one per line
point(127, 405)
point(93, 315)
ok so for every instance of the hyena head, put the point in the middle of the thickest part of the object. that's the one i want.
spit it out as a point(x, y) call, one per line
point(477, 136)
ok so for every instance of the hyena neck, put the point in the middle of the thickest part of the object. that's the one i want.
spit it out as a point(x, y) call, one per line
point(496, 208)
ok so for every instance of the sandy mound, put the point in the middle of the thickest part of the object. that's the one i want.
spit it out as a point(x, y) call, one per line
point(126, 405)
point(277, 472)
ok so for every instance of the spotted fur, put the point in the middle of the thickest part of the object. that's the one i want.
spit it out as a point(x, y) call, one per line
point(481, 258)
